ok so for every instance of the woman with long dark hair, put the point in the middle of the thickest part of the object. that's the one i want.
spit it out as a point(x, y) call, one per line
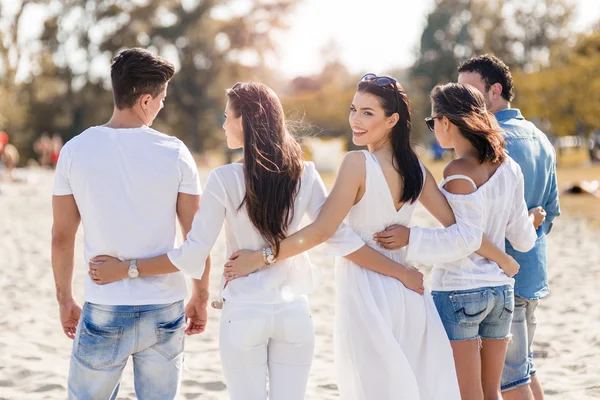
point(266, 326)
point(389, 340)
point(485, 189)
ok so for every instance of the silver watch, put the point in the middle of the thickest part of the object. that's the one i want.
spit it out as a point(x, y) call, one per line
point(133, 271)
point(268, 256)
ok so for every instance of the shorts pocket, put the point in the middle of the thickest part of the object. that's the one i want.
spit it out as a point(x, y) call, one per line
point(509, 304)
point(170, 337)
point(469, 308)
point(97, 346)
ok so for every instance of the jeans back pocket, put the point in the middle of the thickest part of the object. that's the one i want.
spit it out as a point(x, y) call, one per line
point(170, 337)
point(509, 304)
point(97, 346)
point(469, 308)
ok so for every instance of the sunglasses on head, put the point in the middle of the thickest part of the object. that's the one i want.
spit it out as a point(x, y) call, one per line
point(430, 122)
point(384, 82)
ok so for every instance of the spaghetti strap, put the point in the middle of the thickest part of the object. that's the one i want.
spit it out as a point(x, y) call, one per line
point(454, 177)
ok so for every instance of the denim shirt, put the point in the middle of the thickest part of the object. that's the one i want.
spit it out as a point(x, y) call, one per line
point(531, 149)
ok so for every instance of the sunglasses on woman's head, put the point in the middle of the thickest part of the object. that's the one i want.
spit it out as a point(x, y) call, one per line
point(384, 82)
point(430, 122)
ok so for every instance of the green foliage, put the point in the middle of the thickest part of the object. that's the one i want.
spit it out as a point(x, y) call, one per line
point(212, 43)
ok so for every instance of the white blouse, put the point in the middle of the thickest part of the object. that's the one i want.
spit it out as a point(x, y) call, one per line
point(280, 282)
point(497, 208)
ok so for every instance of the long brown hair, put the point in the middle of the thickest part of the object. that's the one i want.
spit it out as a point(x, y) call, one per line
point(465, 107)
point(405, 159)
point(272, 160)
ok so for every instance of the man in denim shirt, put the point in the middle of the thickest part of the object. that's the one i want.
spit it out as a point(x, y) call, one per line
point(531, 149)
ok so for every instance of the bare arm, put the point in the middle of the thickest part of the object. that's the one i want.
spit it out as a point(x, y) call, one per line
point(66, 220)
point(196, 310)
point(187, 206)
point(341, 199)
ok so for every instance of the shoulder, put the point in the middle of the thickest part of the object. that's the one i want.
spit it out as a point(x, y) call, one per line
point(233, 169)
point(461, 167)
point(80, 141)
point(354, 160)
point(513, 168)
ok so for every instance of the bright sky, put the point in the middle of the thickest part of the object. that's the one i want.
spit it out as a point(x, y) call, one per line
point(372, 35)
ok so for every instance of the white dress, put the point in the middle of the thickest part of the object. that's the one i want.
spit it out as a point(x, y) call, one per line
point(389, 341)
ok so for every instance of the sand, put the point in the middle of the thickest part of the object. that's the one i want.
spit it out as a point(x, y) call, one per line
point(34, 353)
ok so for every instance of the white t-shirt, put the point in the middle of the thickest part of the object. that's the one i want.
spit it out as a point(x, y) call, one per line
point(125, 183)
point(281, 282)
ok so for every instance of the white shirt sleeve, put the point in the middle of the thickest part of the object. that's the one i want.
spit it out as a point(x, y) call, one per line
point(428, 246)
point(62, 186)
point(520, 231)
point(344, 241)
point(189, 181)
point(208, 221)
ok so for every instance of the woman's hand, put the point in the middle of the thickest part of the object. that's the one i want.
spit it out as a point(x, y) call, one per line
point(107, 269)
point(243, 263)
point(393, 237)
point(537, 216)
point(412, 279)
point(510, 266)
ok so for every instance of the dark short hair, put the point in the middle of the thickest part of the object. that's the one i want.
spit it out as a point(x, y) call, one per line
point(492, 70)
point(135, 72)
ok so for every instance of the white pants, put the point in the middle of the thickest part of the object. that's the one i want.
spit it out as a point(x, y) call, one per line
point(255, 338)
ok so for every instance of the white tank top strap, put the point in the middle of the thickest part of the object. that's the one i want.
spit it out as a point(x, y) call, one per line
point(454, 177)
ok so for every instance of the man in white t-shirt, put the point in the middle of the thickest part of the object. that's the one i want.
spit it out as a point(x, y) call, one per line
point(127, 184)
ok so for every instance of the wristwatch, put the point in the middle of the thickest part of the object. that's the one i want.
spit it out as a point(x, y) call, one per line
point(133, 271)
point(268, 256)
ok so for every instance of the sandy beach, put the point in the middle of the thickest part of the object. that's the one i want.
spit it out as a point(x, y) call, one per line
point(34, 353)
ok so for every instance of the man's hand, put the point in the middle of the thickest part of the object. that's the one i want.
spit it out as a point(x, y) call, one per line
point(537, 216)
point(196, 314)
point(393, 237)
point(69, 311)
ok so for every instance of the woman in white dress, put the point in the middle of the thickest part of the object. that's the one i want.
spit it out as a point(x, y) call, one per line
point(266, 327)
point(389, 341)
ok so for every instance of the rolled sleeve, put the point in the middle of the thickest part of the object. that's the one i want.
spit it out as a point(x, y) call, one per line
point(190, 258)
point(552, 205)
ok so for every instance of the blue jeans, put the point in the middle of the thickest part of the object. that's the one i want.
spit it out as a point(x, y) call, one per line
point(108, 335)
point(476, 313)
point(518, 367)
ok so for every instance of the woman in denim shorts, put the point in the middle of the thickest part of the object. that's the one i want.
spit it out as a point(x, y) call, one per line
point(473, 295)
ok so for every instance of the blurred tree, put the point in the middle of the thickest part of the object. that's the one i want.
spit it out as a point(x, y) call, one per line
point(522, 33)
point(566, 93)
point(212, 44)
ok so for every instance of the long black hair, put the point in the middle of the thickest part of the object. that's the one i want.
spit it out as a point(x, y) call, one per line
point(405, 160)
point(272, 160)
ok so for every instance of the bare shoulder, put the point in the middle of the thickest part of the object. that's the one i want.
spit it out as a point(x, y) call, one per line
point(461, 167)
point(354, 162)
point(353, 169)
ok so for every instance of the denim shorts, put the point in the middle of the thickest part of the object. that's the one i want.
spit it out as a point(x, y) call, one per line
point(476, 313)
